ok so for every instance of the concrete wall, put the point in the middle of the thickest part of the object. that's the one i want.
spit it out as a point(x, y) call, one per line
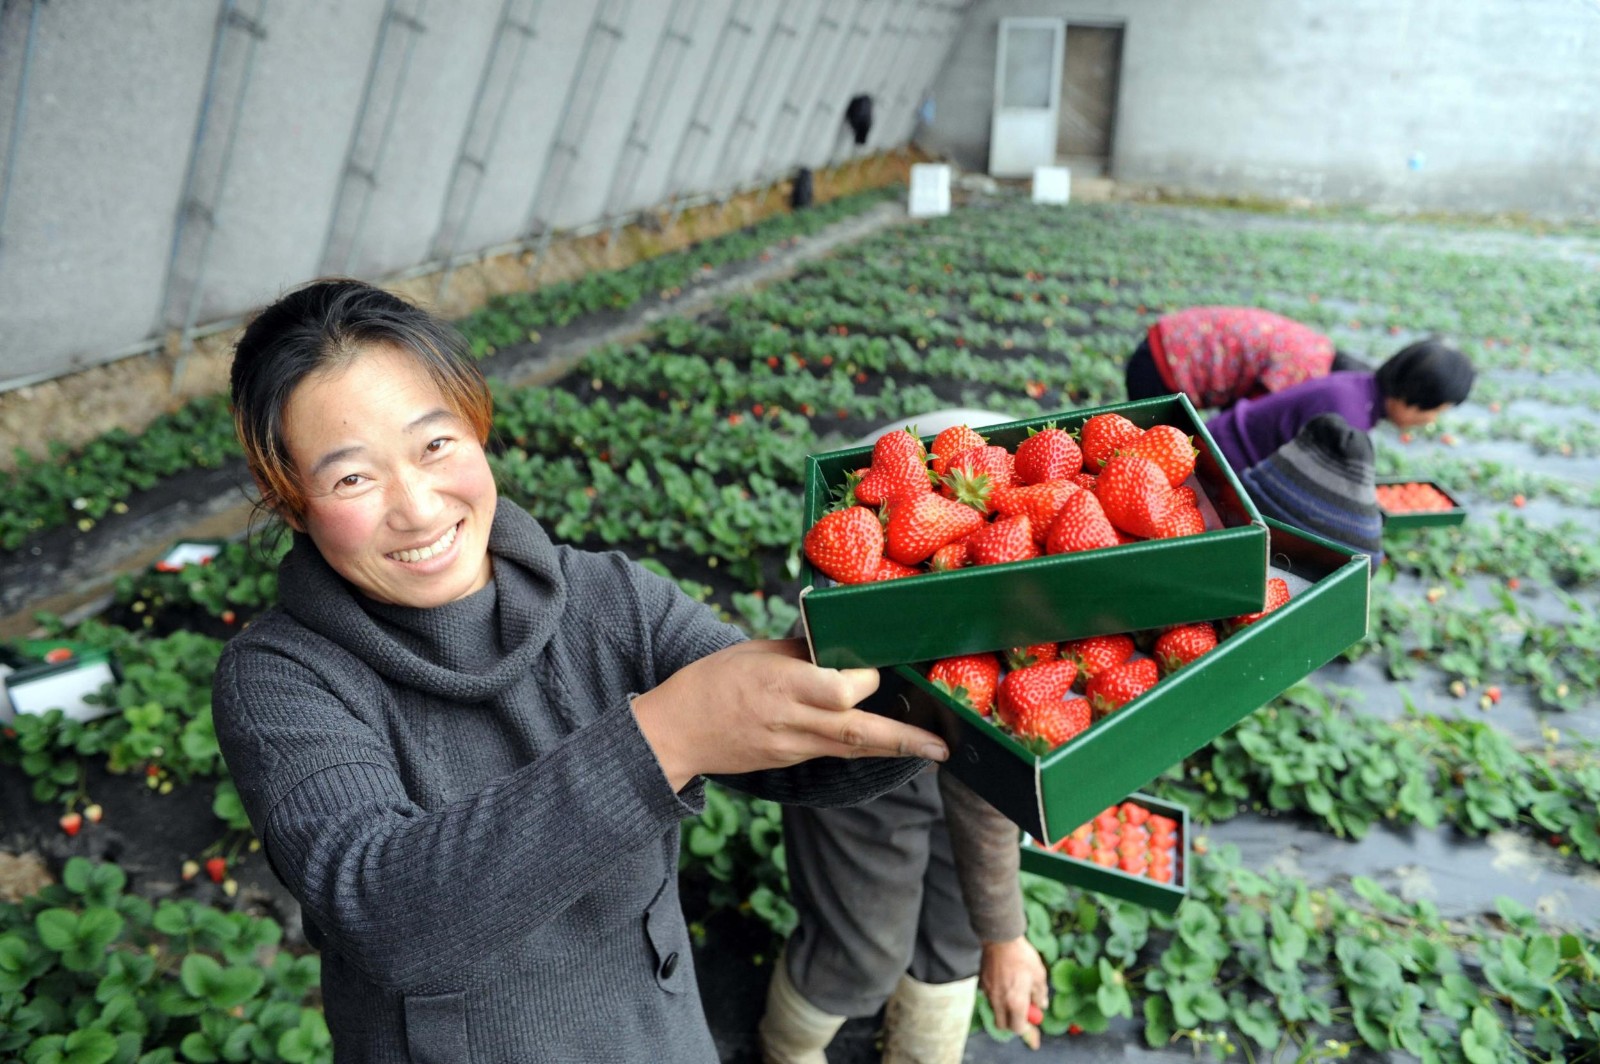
point(1466, 105)
point(179, 163)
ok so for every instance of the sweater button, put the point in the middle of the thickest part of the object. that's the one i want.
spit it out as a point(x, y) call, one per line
point(669, 965)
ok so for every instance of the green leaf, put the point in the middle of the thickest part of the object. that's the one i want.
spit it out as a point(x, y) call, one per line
point(57, 928)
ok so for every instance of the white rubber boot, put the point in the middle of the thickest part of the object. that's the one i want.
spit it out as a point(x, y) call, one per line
point(793, 1030)
point(927, 1023)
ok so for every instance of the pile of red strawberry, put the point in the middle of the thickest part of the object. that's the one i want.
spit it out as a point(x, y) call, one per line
point(1128, 837)
point(1047, 693)
point(1410, 498)
point(967, 502)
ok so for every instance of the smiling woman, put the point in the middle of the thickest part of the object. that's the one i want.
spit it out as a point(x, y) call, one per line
point(466, 749)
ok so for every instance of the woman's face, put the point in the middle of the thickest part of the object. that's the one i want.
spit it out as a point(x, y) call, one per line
point(1406, 416)
point(399, 497)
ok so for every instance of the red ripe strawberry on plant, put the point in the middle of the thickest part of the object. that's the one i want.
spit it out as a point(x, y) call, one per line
point(1134, 493)
point(1040, 503)
point(1168, 447)
point(1121, 684)
point(1023, 691)
point(973, 678)
point(919, 525)
point(1277, 595)
point(1102, 436)
point(1178, 646)
point(846, 544)
point(1047, 454)
point(957, 439)
point(1081, 524)
point(899, 467)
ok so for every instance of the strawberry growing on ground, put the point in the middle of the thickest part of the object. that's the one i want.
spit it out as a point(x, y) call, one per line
point(899, 467)
point(1134, 493)
point(1040, 502)
point(1081, 525)
point(71, 823)
point(846, 544)
point(93, 813)
point(1178, 646)
point(1023, 691)
point(1121, 684)
point(921, 524)
point(1168, 447)
point(1047, 454)
point(1008, 539)
point(1101, 436)
point(1277, 595)
point(1096, 653)
point(952, 441)
point(972, 678)
point(216, 868)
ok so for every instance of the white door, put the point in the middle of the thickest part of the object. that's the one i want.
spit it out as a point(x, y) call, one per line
point(1027, 95)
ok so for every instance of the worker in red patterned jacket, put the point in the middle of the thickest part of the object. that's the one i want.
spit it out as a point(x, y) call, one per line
point(1219, 355)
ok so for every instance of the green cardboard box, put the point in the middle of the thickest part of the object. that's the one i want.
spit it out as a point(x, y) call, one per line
point(1114, 882)
point(1050, 795)
point(1221, 572)
point(1422, 518)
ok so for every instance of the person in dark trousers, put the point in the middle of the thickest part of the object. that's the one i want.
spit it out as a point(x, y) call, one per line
point(1411, 390)
point(1219, 355)
point(467, 750)
point(909, 903)
point(1323, 481)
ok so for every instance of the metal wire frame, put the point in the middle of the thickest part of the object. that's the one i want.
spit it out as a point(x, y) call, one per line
point(200, 205)
point(583, 91)
point(653, 93)
point(466, 179)
point(360, 177)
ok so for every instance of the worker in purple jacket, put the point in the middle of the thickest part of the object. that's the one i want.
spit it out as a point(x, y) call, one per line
point(1411, 389)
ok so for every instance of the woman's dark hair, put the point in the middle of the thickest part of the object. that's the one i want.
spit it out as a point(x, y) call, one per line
point(1427, 375)
point(326, 324)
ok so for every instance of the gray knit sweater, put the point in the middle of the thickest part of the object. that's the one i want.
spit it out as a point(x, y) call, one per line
point(483, 844)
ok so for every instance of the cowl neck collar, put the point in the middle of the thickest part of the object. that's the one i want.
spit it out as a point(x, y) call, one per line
point(468, 650)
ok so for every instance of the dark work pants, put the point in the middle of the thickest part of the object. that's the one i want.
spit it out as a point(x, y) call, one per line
point(876, 889)
point(1144, 380)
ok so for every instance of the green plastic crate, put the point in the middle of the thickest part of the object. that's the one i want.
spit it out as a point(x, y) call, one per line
point(1050, 795)
point(1422, 518)
point(1113, 882)
point(1063, 596)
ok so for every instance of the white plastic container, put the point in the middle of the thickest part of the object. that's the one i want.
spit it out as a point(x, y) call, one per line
point(930, 190)
point(1052, 184)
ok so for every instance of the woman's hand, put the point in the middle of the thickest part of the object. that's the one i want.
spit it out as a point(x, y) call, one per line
point(1013, 976)
point(762, 704)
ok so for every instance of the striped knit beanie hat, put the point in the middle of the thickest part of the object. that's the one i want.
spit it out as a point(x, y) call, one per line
point(1322, 481)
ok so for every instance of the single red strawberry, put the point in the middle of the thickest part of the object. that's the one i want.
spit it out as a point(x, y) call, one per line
point(1183, 495)
point(1277, 595)
point(1101, 435)
point(1178, 646)
point(951, 442)
point(217, 868)
point(972, 678)
point(1080, 525)
point(1024, 689)
point(950, 556)
point(920, 524)
point(996, 463)
point(899, 467)
point(71, 823)
point(1180, 521)
point(1096, 653)
point(1167, 447)
point(1133, 813)
point(1047, 454)
point(1040, 502)
point(1134, 493)
point(1121, 684)
point(846, 544)
point(1022, 657)
point(1053, 720)
point(1007, 539)
point(889, 569)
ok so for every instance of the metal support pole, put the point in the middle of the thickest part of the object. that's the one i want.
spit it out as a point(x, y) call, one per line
point(653, 94)
point(211, 156)
point(19, 114)
point(364, 157)
point(719, 73)
point(482, 132)
point(585, 88)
